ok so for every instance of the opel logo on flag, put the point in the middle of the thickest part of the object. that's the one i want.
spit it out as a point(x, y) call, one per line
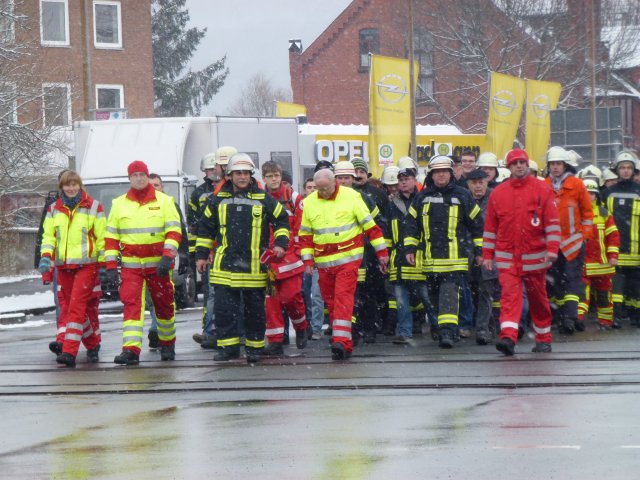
point(392, 88)
point(541, 106)
point(504, 103)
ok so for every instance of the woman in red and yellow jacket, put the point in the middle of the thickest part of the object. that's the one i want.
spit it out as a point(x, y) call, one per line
point(73, 237)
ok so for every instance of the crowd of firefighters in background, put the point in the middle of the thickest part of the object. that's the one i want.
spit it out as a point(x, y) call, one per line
point(476, 246)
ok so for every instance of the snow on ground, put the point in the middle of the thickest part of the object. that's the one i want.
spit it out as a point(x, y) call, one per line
point(28, 324)
point(18, 278)
point(16, 303)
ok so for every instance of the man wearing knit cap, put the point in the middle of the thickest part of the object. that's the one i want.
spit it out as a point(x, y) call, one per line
point(144, 230)
point(522, 234)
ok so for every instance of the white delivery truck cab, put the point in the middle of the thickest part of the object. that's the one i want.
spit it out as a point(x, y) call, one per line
point(173, 148)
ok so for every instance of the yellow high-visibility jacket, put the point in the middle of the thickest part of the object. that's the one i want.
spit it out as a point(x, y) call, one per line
point(74, 237)
point(143, 227)
point(332, 229)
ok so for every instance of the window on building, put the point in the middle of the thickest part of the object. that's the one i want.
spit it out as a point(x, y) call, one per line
point(56, 99)
point(7, 23)
point(8, 103)
point(284, 159)
point(369, 43)
point(109, 96)
point(423, 54)
point(54, 22)
point(107, 24)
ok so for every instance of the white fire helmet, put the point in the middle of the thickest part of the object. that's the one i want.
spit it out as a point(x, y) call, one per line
point(440, 162)
point(488, 159)
point(591, 172)
point(241, 162)
point(208, 161)
point(407, 162)
point(592, 185)
point(224, 154)
point(390, 175)
point(344, 167)
point(503, 174)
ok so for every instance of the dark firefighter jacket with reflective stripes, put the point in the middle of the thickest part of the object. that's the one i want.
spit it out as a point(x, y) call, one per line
point(399, 268)
point(239, 222)
point(197, 203)
point(439, 218)
point(623, 202)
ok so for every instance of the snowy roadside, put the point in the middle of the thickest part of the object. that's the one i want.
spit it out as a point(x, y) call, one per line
point(19, 278)
point(20, 303)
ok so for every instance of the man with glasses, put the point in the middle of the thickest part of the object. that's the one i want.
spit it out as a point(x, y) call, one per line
point(285, 274)
point(522, 233)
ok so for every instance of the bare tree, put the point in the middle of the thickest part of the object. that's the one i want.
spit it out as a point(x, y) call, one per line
point(32, 140)
point(543, 40)
point(257, 98)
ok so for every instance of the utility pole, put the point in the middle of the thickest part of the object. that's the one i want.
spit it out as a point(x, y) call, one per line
point(594, 148)
point(412, 89)
point(87, 77)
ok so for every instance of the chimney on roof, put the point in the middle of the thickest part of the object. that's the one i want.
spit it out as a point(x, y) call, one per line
point(295, 46)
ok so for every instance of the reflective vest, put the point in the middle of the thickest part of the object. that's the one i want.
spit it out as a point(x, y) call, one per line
point(332, 230)
point(603, 246)
point(74, 237)
point(142, 229)
point(576, 215)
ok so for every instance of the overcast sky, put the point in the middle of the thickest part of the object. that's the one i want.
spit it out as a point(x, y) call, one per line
point(254, 34)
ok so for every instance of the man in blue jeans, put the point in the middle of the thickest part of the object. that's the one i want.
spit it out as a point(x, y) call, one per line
point(405, 278)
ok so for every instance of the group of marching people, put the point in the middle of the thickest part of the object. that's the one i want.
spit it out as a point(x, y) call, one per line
point(466, 247)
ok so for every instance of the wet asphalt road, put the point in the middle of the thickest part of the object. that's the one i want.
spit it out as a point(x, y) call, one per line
point(391, 411)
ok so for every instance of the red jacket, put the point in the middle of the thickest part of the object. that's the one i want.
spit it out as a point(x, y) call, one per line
point(576, 215)
point(604, 246)
point(521, 225)
point(291, 264)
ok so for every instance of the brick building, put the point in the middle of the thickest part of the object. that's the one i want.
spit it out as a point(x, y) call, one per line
point(331, 76)
point(90, 54)
point(80, 58)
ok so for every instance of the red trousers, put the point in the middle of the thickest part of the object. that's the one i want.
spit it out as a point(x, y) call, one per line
point(78, 309)
point(602, 286)
point(338, 288)
point(133, 284)
point(289, 296)
point(511, 304)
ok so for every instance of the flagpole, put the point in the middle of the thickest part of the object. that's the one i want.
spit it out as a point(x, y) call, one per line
point(412, 90)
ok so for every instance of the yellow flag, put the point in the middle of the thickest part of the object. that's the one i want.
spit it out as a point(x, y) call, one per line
point(284, 109)
point(505, 110)
point(389, 111)
point(542, 97)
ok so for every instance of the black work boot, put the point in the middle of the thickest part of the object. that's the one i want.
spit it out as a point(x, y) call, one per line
point(506, 346)
point(167, 352)
point(210, 342)
point(301, 339)
point(254, 355)
point(227, 353)
point(541, 347)
point(55, 347)
point(567, 326)
point(92, 355)
point(580, 326)
point(274, 349)
point(482, 337)
point(66, 359)
point(445, 339)
point(339, 352)
point(127, 357)
point(154, 340)
point(370, 337)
